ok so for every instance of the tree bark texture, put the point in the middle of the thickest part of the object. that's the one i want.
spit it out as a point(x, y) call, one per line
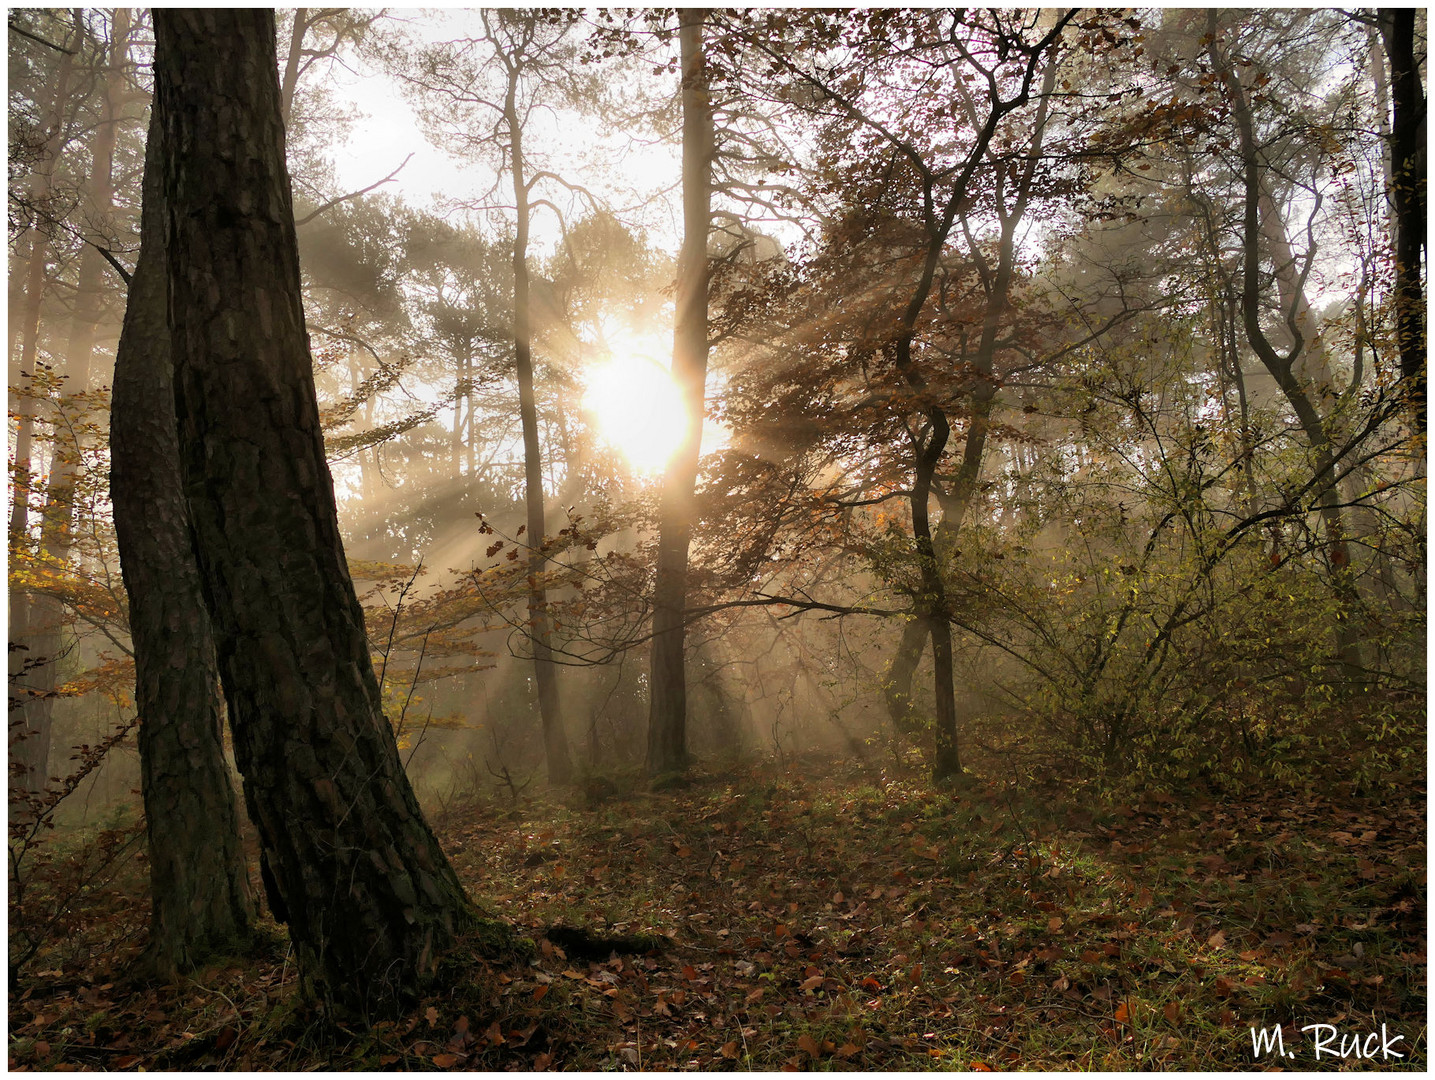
point(199, 889)
point(667, 705)
point(349, 861)
point(545, 672)
point(1407, 152)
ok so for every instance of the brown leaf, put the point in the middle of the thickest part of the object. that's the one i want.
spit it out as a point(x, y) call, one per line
point(729, 1049)
point(1172, 1010)
point(431, 1015)
point(540, 992)
point(445, 1061)
point(226, 1035)
point(1123, 1013)
point(1054, 923)
point(812, 983)
point(809, 1044)
point(1217, 940)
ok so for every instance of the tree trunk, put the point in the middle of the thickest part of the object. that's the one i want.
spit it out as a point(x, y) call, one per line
point(1282, 368)
point(199, 889)
point(1407, 151)
point(291, 66)
point(34, 295)
point(349, 861)
point(545, 673)
point(45, 621)
point(667, 706)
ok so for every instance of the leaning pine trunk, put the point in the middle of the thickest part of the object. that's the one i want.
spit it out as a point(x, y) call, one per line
point(199, 889)
point(350, 863)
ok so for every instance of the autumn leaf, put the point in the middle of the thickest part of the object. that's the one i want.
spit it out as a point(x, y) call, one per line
point(809, 1044)
point(540, 992)
point(1217, 940)
point(729, 1049)
point(445, 1061)
point(1172, 1011)
point(431, 1015)
point(1123, 1013)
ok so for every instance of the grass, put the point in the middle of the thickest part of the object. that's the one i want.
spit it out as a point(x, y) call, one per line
point(832, 916)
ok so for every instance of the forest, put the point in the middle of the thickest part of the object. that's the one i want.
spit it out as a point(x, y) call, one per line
point(750, 539)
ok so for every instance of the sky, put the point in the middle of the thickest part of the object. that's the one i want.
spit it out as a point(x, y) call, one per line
point(565, 141)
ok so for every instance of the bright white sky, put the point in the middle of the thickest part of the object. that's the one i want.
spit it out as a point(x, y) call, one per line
point(631, 178)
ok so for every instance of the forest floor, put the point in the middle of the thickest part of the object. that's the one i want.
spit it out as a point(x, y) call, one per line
point(836, 916)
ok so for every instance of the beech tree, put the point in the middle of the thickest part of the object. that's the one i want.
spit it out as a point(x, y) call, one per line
point(349, 862)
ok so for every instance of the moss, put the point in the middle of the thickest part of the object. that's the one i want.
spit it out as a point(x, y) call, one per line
point(491, 938)
point(668, 781)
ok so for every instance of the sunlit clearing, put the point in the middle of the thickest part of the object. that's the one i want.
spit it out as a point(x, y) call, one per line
point(637, 410)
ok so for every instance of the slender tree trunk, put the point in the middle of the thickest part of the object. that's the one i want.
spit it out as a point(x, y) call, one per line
point(545, 672)
point(31, 659)
point(199, 890)
point(1281, 367)
point(46, 620)
point(291, 66)
point(667, 687)
point(348, 860)
point(34, 295)
point(1407, 151)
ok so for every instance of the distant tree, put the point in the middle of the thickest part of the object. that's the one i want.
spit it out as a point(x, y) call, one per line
point(39, 622)
point(348, 860)
point(519, 52)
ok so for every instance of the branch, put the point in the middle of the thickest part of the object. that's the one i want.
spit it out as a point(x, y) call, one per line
point(352, 195)
point(40, 41)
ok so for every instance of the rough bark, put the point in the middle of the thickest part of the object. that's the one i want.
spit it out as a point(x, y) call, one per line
point(199, 889)
point(348, 860)
point(1407, 152)
point(545, 672)
point(667, 687)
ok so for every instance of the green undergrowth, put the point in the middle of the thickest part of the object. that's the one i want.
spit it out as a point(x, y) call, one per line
point(832, 916)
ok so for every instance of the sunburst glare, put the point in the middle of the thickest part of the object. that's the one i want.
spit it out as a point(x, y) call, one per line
point(636, 407)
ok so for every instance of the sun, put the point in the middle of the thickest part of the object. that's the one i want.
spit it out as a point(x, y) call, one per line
point(637, 409)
